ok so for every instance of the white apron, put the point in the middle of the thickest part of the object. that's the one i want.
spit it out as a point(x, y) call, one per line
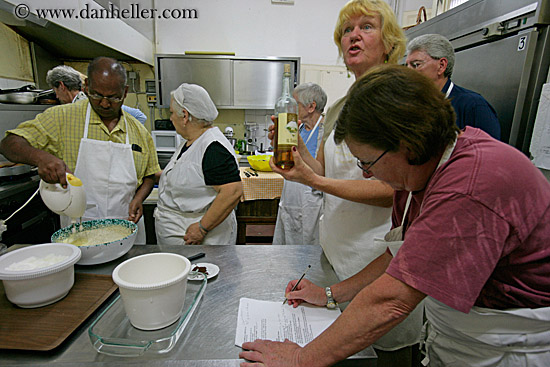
point(347, 229)
point(409, 331)
point(485, 337)
point(184, 197)
point(109, 176)
point(299, 210)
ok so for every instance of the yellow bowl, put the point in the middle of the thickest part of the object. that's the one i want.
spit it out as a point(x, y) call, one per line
point(260, 162)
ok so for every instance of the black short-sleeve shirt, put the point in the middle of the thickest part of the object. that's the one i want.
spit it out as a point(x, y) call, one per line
point(218, 165)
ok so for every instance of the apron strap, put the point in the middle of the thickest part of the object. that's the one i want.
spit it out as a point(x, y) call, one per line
point(409, 198)
point(314, 128)
point(85, 136)
point(197, 215)
point(449, 90)
point(126, 126)
point(427, 336)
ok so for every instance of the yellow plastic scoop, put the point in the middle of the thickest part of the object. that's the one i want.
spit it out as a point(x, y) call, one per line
point(73, 180)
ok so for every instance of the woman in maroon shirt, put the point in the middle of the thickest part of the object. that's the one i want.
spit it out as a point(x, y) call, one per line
point(472, 241)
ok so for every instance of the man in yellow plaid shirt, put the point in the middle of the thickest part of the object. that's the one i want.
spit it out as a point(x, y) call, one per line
point(108, 149)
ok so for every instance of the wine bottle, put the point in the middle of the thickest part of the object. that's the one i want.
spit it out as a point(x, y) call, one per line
point(286, 125)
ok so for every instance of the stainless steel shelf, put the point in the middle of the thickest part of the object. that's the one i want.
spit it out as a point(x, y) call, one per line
point(8, 190)
point(23, 107)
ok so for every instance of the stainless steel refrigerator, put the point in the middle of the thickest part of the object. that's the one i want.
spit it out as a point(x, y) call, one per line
point(502, 52)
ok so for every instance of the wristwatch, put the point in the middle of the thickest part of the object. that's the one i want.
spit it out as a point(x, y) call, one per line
point(331, 303)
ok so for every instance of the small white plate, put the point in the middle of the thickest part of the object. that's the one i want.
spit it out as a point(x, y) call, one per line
point(211, 269)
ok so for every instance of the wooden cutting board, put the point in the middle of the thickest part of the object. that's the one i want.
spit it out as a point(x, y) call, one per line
point(45, 328)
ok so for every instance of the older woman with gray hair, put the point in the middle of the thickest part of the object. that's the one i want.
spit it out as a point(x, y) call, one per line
point(300, 205)
point(201, 185)
point(312, 100)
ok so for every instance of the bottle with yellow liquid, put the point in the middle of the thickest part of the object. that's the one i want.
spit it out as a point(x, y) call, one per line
point(286, 125)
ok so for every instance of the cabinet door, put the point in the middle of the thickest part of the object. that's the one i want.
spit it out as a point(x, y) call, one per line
point(334, 80)
point(214, 75)
point(257, 83)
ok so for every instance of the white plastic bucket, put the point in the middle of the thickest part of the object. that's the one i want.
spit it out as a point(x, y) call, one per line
point(152, 288)
point(41, 286)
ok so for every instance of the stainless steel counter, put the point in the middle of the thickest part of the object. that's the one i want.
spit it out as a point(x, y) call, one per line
point(164, 158)
point(259, 272)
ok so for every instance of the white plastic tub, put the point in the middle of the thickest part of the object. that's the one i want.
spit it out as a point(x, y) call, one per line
point(41, 286)
point(152, 288)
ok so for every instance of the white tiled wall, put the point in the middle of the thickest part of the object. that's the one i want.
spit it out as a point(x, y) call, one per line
point(263, 119)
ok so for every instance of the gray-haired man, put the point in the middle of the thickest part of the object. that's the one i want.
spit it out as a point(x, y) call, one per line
point(434, 56)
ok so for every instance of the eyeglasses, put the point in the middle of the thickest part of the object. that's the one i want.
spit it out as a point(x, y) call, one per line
point(97, 97)
point(361, 164)
point(419, 64)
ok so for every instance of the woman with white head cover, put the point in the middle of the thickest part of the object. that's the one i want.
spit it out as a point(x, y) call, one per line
point(201, 185)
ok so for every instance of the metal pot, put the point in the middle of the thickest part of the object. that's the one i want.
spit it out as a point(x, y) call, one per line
point(23, 95)
point(8, 169)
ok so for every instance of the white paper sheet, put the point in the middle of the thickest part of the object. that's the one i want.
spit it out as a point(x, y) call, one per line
point(540, 141)
point(275, 321)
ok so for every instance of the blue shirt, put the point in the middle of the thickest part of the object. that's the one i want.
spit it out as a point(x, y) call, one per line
point(473, 110)
point(312, 143)
point(140, 116)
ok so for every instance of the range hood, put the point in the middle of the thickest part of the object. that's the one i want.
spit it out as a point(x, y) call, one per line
point(71, 40)
point(232, 82)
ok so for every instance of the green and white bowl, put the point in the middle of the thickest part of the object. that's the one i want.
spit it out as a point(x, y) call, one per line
point(104, 252)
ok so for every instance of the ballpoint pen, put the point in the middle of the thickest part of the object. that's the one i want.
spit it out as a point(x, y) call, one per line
point(298, 282)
